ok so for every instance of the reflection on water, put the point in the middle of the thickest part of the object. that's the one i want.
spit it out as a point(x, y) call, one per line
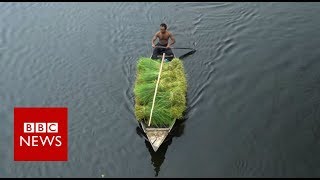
point(157, 158)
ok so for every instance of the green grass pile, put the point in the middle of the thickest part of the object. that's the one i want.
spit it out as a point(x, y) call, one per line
point(170, 100)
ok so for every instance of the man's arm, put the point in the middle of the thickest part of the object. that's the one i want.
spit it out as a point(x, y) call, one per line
point(172, 40)
point(153, 39)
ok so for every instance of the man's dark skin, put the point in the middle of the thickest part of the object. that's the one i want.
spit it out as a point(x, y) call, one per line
point(163, 36)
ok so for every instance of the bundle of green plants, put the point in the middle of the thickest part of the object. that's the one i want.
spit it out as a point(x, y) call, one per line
point(170, 101)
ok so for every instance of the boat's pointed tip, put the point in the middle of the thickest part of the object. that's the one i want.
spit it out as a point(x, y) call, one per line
point(155, 148)
point(156, 138)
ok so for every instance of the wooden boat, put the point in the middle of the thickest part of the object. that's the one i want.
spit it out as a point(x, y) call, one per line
point(156, 136)
point(157, 133)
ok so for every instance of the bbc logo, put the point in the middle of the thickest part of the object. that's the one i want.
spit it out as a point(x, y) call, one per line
point(40, 127)
point(40, 134)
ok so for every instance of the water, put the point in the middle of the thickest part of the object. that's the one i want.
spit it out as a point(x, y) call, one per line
point(253, 86)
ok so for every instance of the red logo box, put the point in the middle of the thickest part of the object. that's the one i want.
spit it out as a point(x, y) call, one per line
point(41, 134)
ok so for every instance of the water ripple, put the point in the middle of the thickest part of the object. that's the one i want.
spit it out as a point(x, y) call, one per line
point(255, 71)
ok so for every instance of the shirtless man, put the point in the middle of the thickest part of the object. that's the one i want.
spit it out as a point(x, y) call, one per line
point(163, 36)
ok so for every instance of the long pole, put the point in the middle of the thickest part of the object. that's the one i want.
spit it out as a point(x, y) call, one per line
point(172, 47)
point(155, 91)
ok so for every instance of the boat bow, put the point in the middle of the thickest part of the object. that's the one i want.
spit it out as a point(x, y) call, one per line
point(156, 136)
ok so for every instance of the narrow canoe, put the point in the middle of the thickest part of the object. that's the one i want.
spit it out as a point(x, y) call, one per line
point(157, 135)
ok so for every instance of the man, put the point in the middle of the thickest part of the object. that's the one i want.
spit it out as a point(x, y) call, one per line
point(163, 36)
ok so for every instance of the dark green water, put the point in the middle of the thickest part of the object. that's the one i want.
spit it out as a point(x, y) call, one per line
point(253, 87)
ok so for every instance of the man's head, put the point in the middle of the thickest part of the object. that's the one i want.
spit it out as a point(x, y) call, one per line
point(163, 28)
